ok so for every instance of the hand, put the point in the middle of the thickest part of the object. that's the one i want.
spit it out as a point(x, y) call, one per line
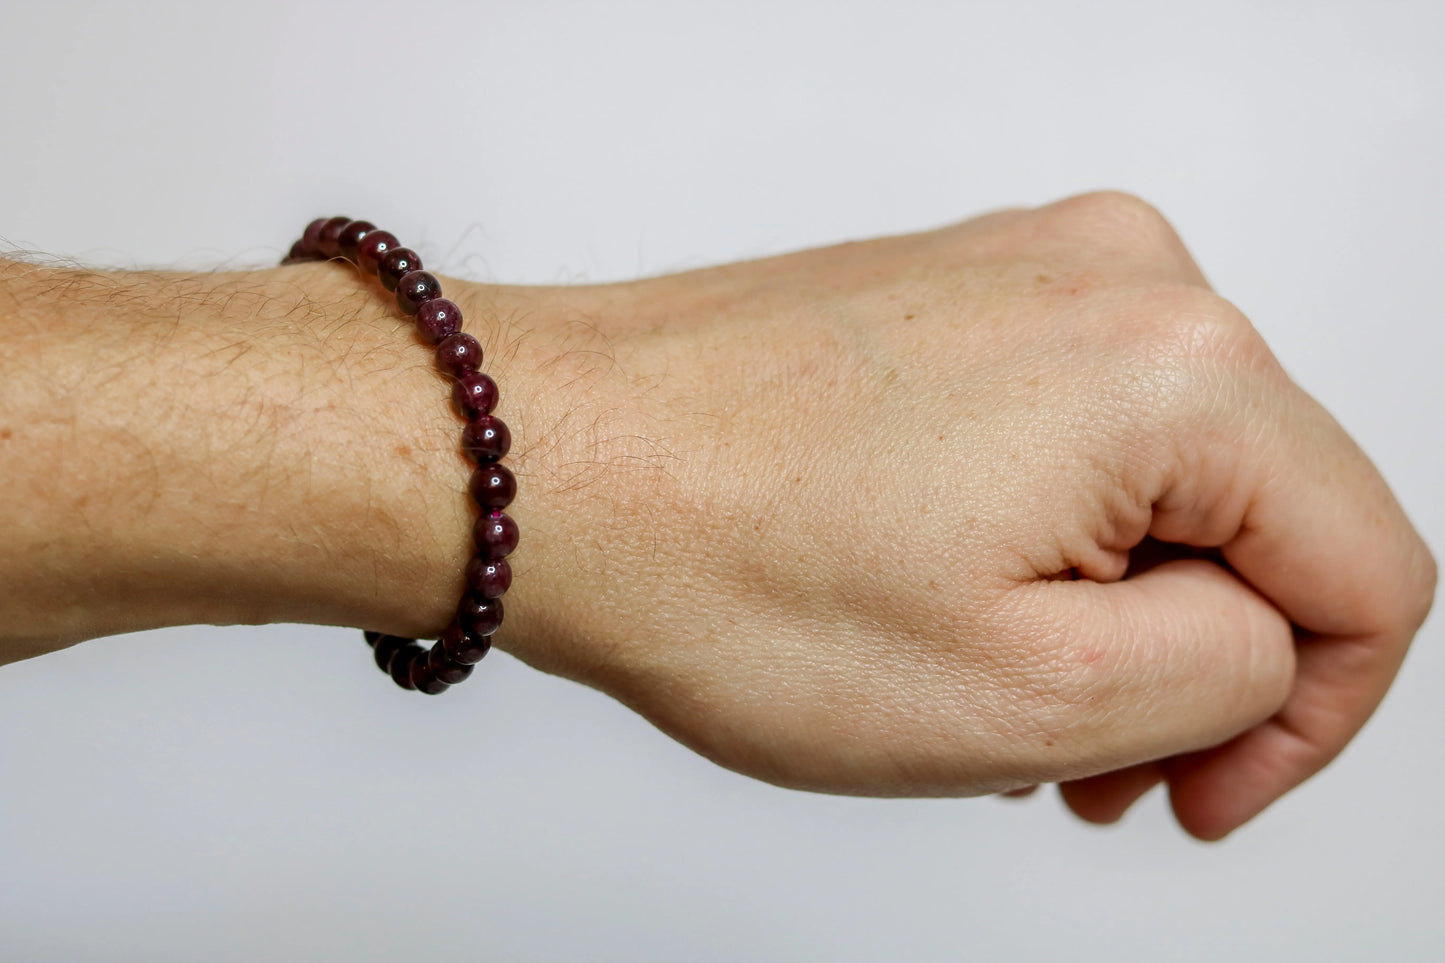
point(1013, 502)
point(860, 519)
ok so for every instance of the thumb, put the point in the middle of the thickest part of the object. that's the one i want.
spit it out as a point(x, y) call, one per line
point(1181, 657)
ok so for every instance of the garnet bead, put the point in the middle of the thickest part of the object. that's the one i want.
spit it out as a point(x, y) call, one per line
point(400, 664)
point(459, 354)
point(351, 236)
point(478, 616)
point(496, 535)
point(462, 648)
point(415, 289)
point(486, 439)
point(474, 394)
point(442, 666)
point(489, 577)
point(436, 318)
point(373, 247)
point(311, 238)
point(331, 236)
point(493, 487)
point(386, 646)
point(396, 264)
point(423, 678)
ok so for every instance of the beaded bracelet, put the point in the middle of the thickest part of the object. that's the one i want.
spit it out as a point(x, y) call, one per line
point(485, 439)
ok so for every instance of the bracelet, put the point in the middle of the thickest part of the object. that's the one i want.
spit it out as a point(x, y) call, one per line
point(485, 439)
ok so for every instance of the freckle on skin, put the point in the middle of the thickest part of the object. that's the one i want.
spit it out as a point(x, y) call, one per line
point(403, 450)
point(4, 434)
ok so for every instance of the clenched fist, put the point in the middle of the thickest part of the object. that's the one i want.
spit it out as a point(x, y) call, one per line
point(1016, 501)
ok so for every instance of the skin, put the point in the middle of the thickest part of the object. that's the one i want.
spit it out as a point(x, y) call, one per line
point(1016, 501)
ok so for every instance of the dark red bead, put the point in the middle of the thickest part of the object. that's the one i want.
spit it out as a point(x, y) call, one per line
point(444, 668)
point(396, 264)
point(459, 354)
point(436, 318)
point(474, 394)
point(479, 617)
point(400, 664)
point(372, 638)
point(415, 289)
point(462, 648)
point(311, 238)
point(493, 487)
point(351, 236)
point(423, 678)
point(386, 647)
point(297, 253)
point(489, 577)
point(331, 236)
point(486, 439)
point(375, 246)
point(496, 536)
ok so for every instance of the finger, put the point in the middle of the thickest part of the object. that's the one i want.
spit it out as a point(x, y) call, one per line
point(1339, 683)
point(1321, 536)
point(1105, 798)
point(1180, 658)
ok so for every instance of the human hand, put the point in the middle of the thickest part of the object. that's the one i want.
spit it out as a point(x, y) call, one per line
point(869, 519)
point(858, 520)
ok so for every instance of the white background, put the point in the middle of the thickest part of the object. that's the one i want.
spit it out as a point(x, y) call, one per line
point(262, 794)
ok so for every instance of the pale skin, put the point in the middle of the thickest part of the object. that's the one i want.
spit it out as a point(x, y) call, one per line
point(1013, 502)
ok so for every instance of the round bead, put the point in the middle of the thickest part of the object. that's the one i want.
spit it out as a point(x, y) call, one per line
point(486, 439)
point(461, 648)
point(331, 236)
point(423, 678)
point(489, 577)
point(387, 646)
point(400, 664)
point(496, 535)
point(442, 666)
point(311, 237)
point(479, 617)
point(297, 252)
point(395, 264)
point(351, 236)
point(415, 289)
point(372, 638)
point(373, 247)
point(493, 487)
point(474, 394)
point(435, 318)
point(459, 354)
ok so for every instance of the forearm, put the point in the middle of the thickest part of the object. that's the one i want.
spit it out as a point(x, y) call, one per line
point(222, 448)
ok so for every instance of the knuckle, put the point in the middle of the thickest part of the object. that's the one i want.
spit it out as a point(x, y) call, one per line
point(1117, 217)
point(1193, 330)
